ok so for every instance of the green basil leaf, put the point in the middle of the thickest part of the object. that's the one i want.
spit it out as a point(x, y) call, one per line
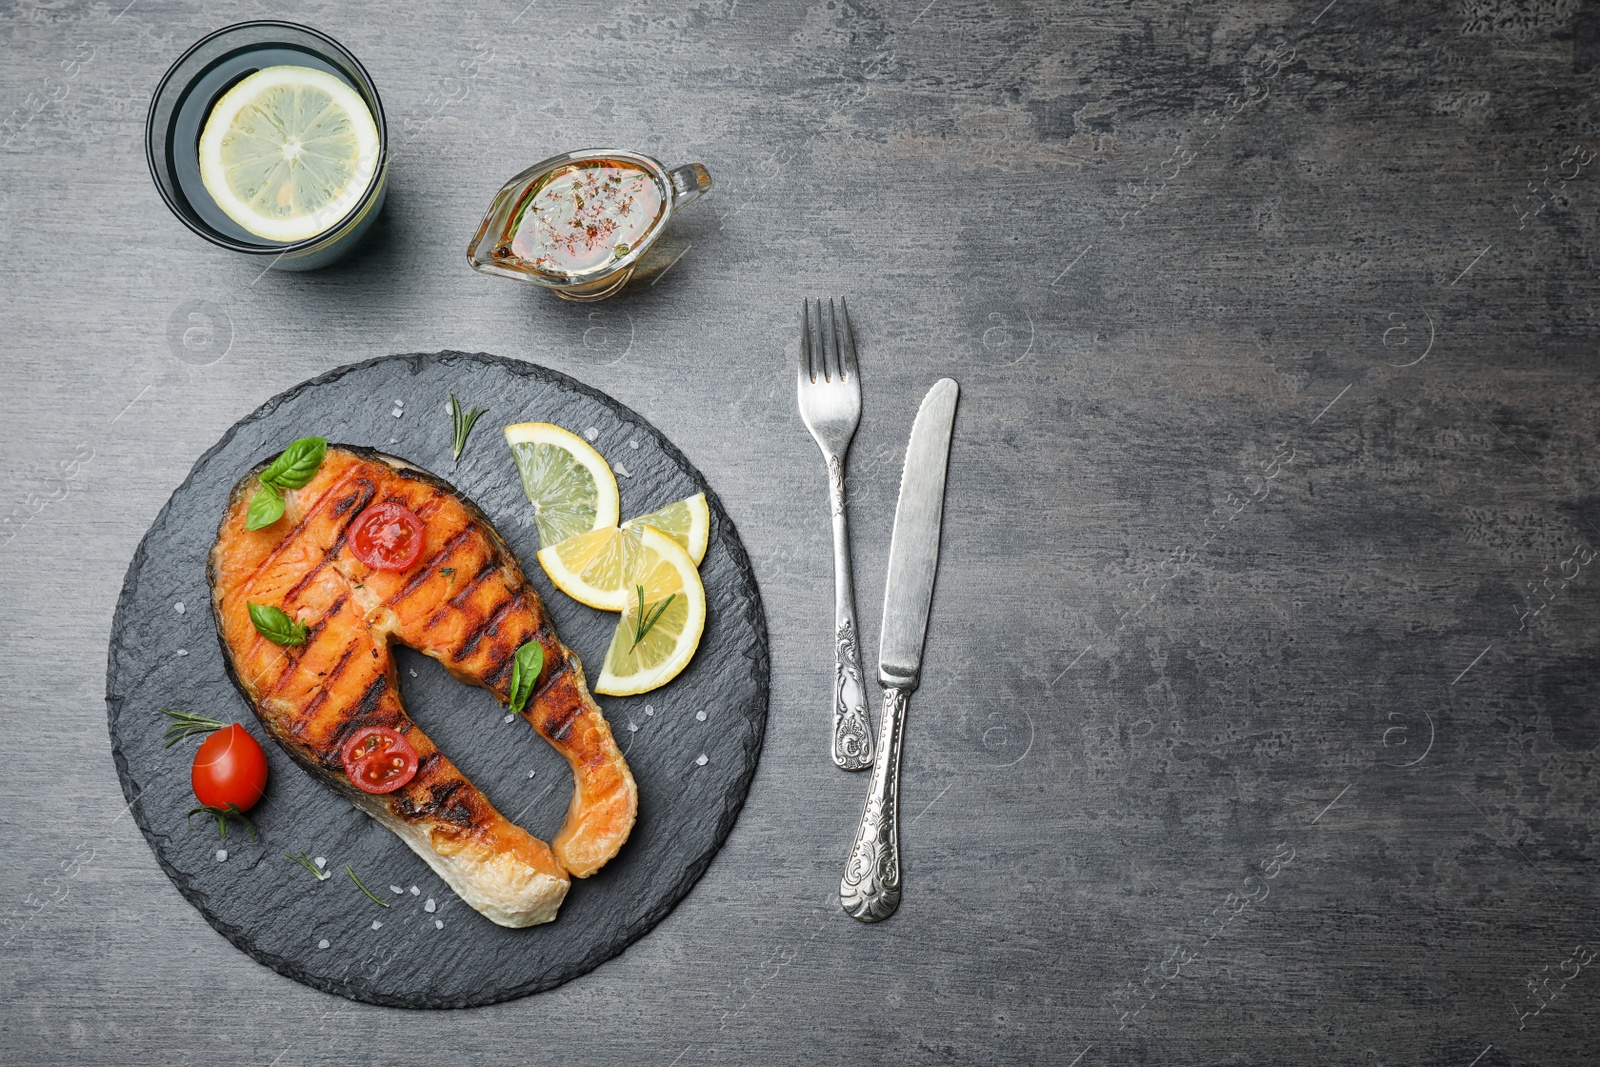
point(266, 508)
point(525, 669)
point(276, 626)
point(296, 465)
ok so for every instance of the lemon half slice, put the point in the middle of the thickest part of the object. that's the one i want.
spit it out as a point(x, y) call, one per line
point(687, 522)
point(668, 577)
point(596, 568)
point(569, 484)
point(288, 152)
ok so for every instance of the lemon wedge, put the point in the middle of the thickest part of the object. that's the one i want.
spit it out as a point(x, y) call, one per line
point(596, 568)
point(687, 522)
point(288, 152)
point(569, 484)
point(668, 604)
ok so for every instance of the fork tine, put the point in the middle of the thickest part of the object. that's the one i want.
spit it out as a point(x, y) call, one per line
point(819, 344)
point(847, 344)
point(835, 366)
point(807, 368)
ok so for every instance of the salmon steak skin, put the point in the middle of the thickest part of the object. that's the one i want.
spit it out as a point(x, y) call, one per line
point(466, 603)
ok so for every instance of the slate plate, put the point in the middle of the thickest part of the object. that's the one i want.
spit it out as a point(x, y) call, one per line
point(165, 657)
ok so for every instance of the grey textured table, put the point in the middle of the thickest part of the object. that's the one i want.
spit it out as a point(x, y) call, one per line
point(1260, 717)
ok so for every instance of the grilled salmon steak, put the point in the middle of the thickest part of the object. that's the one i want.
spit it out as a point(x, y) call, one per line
point(466, 603)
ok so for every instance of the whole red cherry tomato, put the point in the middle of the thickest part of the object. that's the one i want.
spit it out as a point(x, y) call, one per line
point(387, 536)
point(379, 760)
point(229, 768)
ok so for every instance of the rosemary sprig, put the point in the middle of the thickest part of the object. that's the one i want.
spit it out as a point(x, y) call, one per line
point(644, 622)
point(364, 889)
point(186, 725)
point(303, 860)
point(461, 422)
point(222, 815)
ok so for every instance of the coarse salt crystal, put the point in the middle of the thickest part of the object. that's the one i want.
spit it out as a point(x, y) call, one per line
point(321, 862)
point(396, 890)
point(508, 718)
point(633, 444)
point(430, 907)
point(222, 854)
point(649, 710)
point(397, 413)
point(633, 727)
point(399, 403)
point(700, 761)
point(323, 943)
point(438, 924)
point(591, 433)
point(411, 672)
point(178, 607)
point(392, 440)
point(415, 891)
point(532, 773)
point(620, 469)
point(183, 651)
point(376, 925)
point(700, 715)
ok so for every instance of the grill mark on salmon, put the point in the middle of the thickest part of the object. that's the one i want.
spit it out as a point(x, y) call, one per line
point(485, 628)
point(430, 567)
point(313, 697)
point(329, 679)
point(333, 550)
point(558, 722)
point(293, 536)
point(488, 568)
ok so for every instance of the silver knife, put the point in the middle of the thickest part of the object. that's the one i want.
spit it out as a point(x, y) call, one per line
point(870, 890)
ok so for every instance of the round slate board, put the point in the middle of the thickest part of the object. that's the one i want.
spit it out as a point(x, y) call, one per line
point(692, 745)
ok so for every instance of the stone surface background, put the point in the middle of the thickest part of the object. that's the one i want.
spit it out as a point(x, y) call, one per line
point(1259, 717)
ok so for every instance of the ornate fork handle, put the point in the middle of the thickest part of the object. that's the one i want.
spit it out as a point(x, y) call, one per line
point(852, 729)
point(870, 889)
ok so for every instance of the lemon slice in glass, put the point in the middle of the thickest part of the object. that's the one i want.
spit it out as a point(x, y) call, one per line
point(668, 604)
point(569, 484)
point(687, 522)
point(288, 152)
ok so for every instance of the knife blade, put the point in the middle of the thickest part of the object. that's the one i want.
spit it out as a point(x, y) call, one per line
point(870, 888)
point(914, 545)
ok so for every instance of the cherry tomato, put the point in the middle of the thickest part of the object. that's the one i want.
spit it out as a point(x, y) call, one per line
point(229, 768)
point(387, 536)
point(379, 760)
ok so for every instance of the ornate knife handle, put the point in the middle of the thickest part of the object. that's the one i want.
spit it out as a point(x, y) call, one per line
point(870, 890)
point(852, 730)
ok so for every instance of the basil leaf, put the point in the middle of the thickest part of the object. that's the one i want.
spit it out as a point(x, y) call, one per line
point(525, 669)
point(266, 508)
point(296, 465)
point(276, 626)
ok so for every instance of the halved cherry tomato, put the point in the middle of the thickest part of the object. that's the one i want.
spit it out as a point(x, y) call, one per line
point(379, 760)
point(229, 768)
point(387, 536)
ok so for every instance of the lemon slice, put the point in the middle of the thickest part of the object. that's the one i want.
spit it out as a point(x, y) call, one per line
point(288, 152)
point(675, 607)
point(568, 482)
point(596, 568)
point(687, 522)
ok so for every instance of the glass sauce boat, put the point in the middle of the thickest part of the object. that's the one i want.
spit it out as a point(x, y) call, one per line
point(578, 223)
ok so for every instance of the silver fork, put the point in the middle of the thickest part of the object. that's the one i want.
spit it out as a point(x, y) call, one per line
point(830, 405)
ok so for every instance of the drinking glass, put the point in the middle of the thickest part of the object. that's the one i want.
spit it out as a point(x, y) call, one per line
point(184, 99)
